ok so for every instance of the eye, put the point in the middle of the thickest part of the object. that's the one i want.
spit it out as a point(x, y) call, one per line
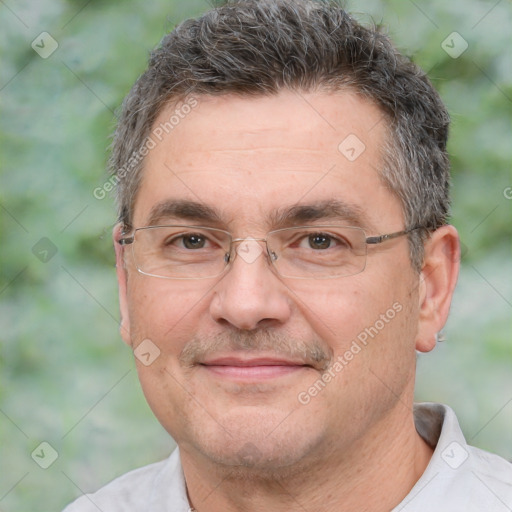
point(191, 241)
point(322, 241)
point(319, 241)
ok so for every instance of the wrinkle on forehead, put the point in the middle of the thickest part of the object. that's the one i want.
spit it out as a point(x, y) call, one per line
point(253, 159)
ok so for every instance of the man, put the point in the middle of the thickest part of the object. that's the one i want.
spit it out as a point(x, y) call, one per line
point(283, 252)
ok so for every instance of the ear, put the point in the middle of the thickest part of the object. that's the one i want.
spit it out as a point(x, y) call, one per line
point(437, 283)
point(122, 279)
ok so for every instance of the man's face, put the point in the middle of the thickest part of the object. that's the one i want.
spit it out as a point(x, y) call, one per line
point(236, 381)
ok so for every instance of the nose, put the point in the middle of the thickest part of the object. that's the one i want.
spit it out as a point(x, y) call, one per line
point(250, 295)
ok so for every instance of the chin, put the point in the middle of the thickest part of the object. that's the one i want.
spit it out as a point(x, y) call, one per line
point(255, 444)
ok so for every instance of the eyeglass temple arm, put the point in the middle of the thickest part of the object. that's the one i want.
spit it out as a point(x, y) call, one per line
point(382, 238)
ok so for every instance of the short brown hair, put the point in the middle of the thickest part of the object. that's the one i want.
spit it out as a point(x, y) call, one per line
point(258, 47)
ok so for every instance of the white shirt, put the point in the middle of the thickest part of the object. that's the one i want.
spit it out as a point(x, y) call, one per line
point(459, 477)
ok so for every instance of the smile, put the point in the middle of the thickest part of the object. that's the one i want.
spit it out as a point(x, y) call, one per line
point(252, 369)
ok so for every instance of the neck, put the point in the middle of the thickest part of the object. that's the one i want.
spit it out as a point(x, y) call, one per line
point(374, 474)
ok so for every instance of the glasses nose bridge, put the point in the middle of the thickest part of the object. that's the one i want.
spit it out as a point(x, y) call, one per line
point(246, 239)
point(249, 254)
point(237, 241)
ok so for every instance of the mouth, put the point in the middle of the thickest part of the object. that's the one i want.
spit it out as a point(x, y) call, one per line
point(252, 369)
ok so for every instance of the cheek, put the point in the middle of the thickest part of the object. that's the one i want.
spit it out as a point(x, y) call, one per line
point(164, 311)
point(337, 310)
point(355, 310)
point(167, 315)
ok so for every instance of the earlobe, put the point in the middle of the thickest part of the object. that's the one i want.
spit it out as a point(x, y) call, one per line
point(437, 283)
point(124, 326)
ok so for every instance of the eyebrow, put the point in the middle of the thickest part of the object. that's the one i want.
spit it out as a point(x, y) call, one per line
point(182, 210)
point(298, 214)
point(328, 210)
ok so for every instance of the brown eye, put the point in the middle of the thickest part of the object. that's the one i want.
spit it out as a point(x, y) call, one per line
point(188, 241)
point(193, 241)
point(319, 241)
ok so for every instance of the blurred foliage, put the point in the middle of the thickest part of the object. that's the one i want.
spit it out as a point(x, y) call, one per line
point(65, 376)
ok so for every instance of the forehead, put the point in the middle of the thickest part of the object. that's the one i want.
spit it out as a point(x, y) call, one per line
point(247, 157)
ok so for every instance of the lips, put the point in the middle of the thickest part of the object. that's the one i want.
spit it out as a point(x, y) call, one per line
point(256, 368)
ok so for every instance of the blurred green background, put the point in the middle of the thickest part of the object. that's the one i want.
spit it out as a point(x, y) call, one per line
point(66, 378)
